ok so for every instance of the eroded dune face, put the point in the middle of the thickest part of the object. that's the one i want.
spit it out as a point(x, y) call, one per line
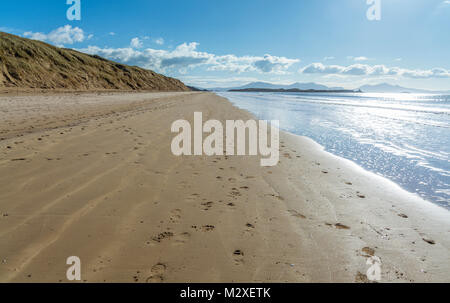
point(33, 64)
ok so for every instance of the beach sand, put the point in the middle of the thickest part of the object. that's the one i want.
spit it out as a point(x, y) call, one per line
point(93, 176)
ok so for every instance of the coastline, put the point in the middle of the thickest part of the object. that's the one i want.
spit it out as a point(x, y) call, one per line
point(115, 196)
point(411, 153)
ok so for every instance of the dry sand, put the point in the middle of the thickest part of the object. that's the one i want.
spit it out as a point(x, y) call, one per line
point(93, 176)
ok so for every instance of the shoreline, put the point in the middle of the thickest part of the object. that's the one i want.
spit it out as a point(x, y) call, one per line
point(113, 195)
point(432, 189)
point(405, 202)
point(414, 197)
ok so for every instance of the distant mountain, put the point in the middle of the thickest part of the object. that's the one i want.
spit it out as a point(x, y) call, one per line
point(259, 85)
point(291, 90)
point(196, 89)
point(378, 88)
point(312, 86)
point(389, 88)
point(266, 85)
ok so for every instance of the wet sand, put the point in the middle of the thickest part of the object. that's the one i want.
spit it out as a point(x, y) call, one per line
point(93, 176)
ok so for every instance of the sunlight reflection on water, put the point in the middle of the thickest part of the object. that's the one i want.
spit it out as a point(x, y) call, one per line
point(404, 137)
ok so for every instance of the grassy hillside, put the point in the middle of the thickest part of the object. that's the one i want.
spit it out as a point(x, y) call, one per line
point(26, 63)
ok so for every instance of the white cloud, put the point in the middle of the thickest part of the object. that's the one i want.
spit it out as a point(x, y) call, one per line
point(136, 43)
point(373, 70)
point(186, 56)
point(362, 58)
point(329, 58)
point(112, 33)
point(9, 30)
point(35, 36)
point(60, 36)
point(160, 41)
point(358, 59)
point(274, 64)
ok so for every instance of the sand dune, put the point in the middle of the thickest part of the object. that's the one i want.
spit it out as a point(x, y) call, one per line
point(93, 176)
point(34, 65)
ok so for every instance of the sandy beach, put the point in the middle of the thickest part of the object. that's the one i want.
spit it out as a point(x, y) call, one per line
point(93, 176)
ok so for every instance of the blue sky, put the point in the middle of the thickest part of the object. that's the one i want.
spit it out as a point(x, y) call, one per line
point(226, 43)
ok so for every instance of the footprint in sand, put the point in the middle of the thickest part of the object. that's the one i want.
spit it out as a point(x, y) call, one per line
point(207, 228)
point(341, 226)
point(287, 155)
point(429, 241)
point(182, 238)
point(207, 205)
point(249, 230)
point(296, 214)
point(162, 236)
point(18, 159)
point(235, 193)
point(276, 196)
point(157, 271)
point(361, 278)
point(192, 197)
point(337, 226)
point(369, 252)
point(360, 195)
point(175, 216)
point(238, 256)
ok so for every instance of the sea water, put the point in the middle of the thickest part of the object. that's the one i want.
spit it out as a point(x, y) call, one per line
point(403, 137)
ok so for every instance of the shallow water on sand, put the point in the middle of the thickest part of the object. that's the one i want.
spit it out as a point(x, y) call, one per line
point(403, 137)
